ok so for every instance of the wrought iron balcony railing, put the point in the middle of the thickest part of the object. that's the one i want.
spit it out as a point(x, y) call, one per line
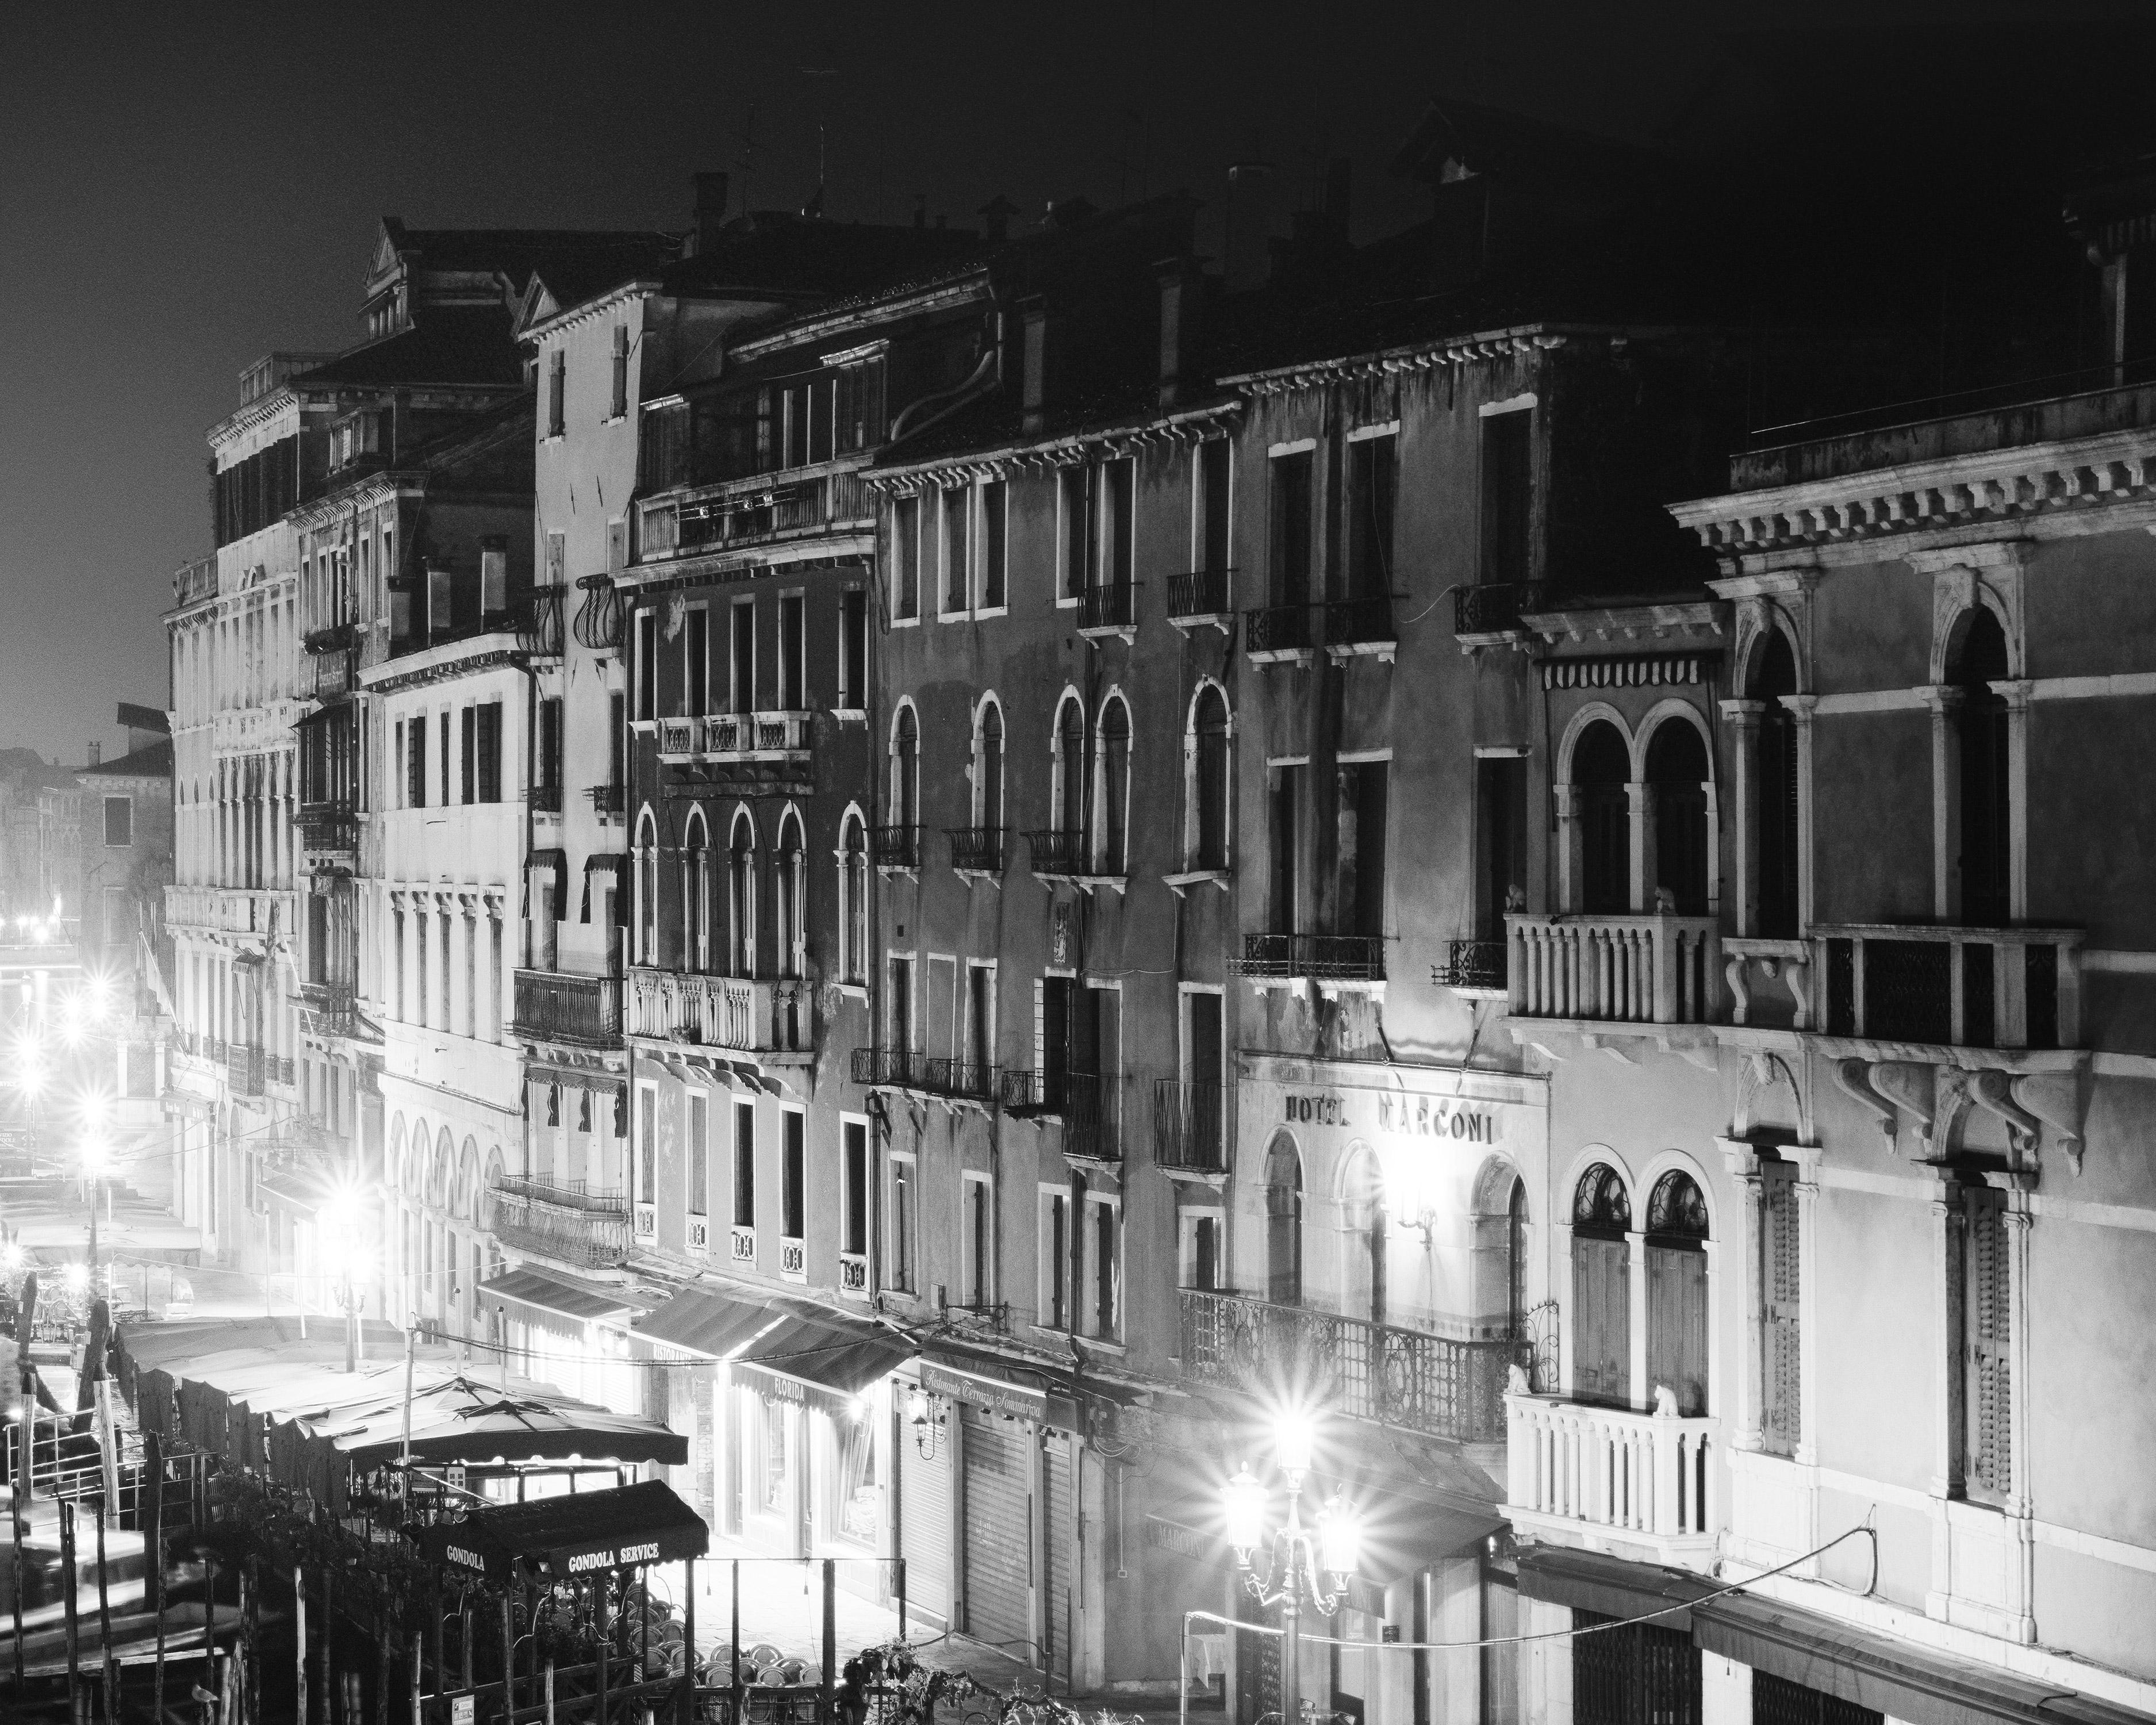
point(1277, 628)
point(1495, 606)
point(977, 849)
point(609, 798)
point(1202, 592)
point(1471, 964)
point(896, 847)
point(564, 1222)
point(947, 1076)
point(1060, 851)
point(538, 621)
point(1365, 622)
point(545, 798)
point(558, 1006)
point(244, 1067)
point(1191, 1122)
point(1108, 608)
point(888, 1068)
point(1093, 1117)
point(1025, 1091)
point(1436, 1386)
point(332, 825)
point(1319, 957)
point(598, 623)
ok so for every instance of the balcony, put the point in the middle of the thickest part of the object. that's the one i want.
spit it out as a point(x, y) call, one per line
point(332, 826)
point(555, 1006)
point(1436, 1385)
point(608, 800)
point(1629, 1483)
point(545, 799)
point(228, 910)
point(1640, 970)
point(924, 1074)
point(598, 622)
point(244, 1068)
point(1330, 962)
point(2006, 988)
point(1198, 599)
point(195, 582)
point(328, 1008)
point(976, 850)
point(1059, 854)
point(1023, 1092)
point(759, 506)
point(771, 1018)
point(1109, 611)
point(1278, 633)
point(1093, 1117)
point(1191, 1126)
point(769, 747)
point(538, 621)
point(563, 1221)
point(332, 638)
point(1489, 614)
point(1357, 627)
point(1472, 968)
point(896, 847)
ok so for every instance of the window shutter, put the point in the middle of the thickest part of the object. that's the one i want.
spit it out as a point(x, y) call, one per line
point(1780, 1415)
point(1040, 1023)
point(1989, 1386)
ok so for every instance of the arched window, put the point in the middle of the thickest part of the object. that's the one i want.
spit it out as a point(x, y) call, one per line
point(741, 896)
point(1283, 1223)
point(1069, 787)
point(487, 1186)
point(1363, 1228)
point(1601, 769)
point(1112, 844)
point(1601, 1287)
point(695, 893)
point(1979, 660)
point(445, 1156)
point(1676, 768)
point(853, 898)
point(788, 885)
point(1775, 772)
point(1209, 834)
point(645, 886)
point(906, 769)
point(1515, 1260)
point(988, 768)
point(1676, 1292)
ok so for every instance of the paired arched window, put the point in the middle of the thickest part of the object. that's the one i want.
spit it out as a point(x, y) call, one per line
point(1111, 841)
point(1977, 660)
point(905, 768)
point(1069, 789)
point(1209, 833)
point(1676, 1292)
point(1676, 769)
point(853, 898)
point(1601, 769)
point(741, 896)
point(1601, 1287)
point(988, 766)
point(788, 887)
point(645, 886)
point(696, 893)
point(1774, 771)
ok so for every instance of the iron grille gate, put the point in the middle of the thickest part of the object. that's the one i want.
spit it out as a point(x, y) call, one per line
point(1776, 1701)
point(1642, 1674)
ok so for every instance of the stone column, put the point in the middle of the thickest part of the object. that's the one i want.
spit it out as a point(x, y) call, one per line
point(1743, 1165)
point(1945, 702)
point(2017, 696)
point(1743, 717)
point(1570, 857)
point(1636, 1288)
point(1641, 796)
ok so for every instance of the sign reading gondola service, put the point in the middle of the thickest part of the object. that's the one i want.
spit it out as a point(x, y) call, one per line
point(1466, 1120)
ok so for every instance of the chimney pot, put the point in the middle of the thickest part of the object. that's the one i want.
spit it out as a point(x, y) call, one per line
point(96, 754)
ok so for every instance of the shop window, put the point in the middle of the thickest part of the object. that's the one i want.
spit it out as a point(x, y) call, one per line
point(774, 1427)
point(1632, 1673)
point(1776, 1701)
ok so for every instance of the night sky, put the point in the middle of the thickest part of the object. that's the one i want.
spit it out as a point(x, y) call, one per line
point(185, 188)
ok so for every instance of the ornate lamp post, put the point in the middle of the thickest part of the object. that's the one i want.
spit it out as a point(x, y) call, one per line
point(1305, 1565)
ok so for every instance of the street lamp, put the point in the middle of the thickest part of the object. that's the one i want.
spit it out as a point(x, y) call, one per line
point(1310, 1565)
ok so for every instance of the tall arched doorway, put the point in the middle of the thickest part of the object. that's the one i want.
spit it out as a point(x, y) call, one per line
point(1774, 766)
point(1676, 1292)
point(1978, 661)
point(1676, 768)
point(1283, 1223)
point(1601, 1287)
point(1601, 769)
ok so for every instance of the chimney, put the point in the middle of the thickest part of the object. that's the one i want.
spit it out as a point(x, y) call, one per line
point(1033, 314)
point(1181, 283)
point(995, 218)
point(1250, 219)
point(96, 754)
point(711, 209)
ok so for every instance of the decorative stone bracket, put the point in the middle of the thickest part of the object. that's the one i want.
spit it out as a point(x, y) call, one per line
point(1938, 1098)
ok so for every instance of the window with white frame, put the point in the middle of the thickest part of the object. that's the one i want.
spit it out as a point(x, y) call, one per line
point(853, 898)
point(955, 507)
point(905, 559)
point(1051, 1311)
point(993, 556)
point(1201, 1234)
point(1102, 1316)
point(854, 1185)
point(1208, 826)
point(900, 1222)
point(1112, 762)
point(977, 1212)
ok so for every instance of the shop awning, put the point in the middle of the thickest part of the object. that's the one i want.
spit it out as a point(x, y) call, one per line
point(566, 1294)
point(825, 1349)
point(1587, 1581)
point(1403, 1536)
point(585, 1533)
point(1894, 1677)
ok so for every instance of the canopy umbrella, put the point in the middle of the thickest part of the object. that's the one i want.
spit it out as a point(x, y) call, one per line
point(465, 1420)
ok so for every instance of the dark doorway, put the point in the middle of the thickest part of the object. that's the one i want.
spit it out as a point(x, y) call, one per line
point(1979, 661)
point(1774, 765)
point(1601, 769)
point(1676, 768)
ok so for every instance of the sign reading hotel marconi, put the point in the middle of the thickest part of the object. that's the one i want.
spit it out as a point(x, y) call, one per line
point(1406, 1114)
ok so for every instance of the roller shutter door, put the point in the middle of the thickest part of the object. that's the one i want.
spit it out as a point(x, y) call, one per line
point(1058, 1551)
point(998, 1533)
point(924, 1522)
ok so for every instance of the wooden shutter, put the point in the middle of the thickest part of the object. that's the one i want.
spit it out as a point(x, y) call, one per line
point(1987, 1317)
point(1780, 1419)
point(1676, 1325)
point(1602, 1316)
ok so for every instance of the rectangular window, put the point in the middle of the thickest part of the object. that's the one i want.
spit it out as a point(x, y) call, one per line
point(1286, 800)
point(900, 1274)
point(977, 1213)
point(1055, 1255)
point(1500, 825)
point(1105, 1256)
point(119, 822)
point(549, 764)
point(793, 1172)
point(487, 744)
point(1201, 1251)
point(467, 736)
point(957, 503)
point(744, 1164)
point(415, 764)
point(617, 734)
point(1780, 1362)
point(699, 1154)
point(898, 1007)
point(980, 1049)
point(1291, 528)
point(1075, 504)
point(647, 665)
point(854, 1237)
point(695, 663)
point(793, 672)
point(647, 1152)
point(854, 650)
point(1372, 489)
point(995, 496)
point(1118, 519)
point(1507, 494)
point(557, 389)
point(1360, 847)
point(1214, 483)
point(906, 557)
point(742, 689)
point(618, 395)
